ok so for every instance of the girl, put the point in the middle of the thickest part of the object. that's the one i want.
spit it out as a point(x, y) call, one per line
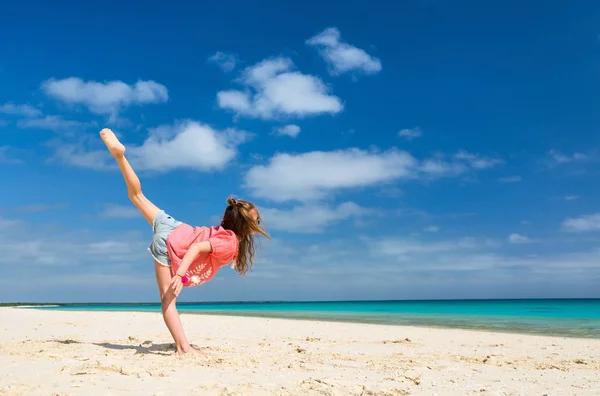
point(186, 255)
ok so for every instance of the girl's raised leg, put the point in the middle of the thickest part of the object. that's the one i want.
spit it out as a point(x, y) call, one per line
point(134, 188)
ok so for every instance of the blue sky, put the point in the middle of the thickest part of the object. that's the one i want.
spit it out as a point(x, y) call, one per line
point(404, 150)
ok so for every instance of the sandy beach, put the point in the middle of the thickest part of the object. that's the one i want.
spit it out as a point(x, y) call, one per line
point(130, 353)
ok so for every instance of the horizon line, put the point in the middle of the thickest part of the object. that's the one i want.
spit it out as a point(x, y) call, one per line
point(298, 301)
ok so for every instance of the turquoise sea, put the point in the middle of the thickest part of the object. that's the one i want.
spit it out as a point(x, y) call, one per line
point(560, 317)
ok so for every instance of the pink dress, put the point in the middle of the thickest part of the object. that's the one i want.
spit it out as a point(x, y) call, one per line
point(204, 267)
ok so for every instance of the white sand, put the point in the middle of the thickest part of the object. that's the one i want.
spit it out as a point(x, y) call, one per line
point(106, 353)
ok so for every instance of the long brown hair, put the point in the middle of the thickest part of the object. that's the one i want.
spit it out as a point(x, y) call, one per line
point(239, 218)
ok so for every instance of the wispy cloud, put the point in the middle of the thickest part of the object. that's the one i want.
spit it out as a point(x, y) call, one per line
point(403, 248)
point(312, 218)
point(119, 211)
point(510, 179)
point(272, 89)
point(41, 246)
point(585, 223)
point(574, 161)
point(341, 56)
point(432, 228)
point(74, 259)
point(438, 261)
point(559, 158)
point(23, 110)
point(225, 60)
point(518, 239)
point(410, 134)
point(36, 208)
point(477, 161)
point(7, 155)
point(571, 197)
point(54, 123)
point(289, 130)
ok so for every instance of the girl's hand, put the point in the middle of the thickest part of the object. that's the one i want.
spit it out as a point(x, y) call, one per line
point(176, 285)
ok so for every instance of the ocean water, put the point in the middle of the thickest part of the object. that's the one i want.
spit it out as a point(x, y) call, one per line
point(560, 317)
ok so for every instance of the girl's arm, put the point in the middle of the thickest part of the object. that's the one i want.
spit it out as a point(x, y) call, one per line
point(194, 250)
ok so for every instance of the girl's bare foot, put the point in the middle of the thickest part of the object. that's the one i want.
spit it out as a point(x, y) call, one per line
point(192, 351)
point(115, 147)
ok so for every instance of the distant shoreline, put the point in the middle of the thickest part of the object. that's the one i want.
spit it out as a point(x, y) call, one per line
point(578, 318)
point(13, 304)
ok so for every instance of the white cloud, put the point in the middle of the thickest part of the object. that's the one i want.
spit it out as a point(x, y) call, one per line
point(589, 222)
point(470, 254)
point(65, 264)
point(510, 179)
point(458, 164)
point(312, 218)
point(402, 247)
point(347, 267)
point(273, 89)
point(455, 268)
point(20, 110)
point(226, 61)
point(120, 211)
point(289, 130)
point(372, 267)
point(571, 197)
point(343, 57)
point(431, 229)
point(314, 175)
point(105, 98)
point(77, 155)
point(41, 245)
point(410, 134)
point(436, 167)
point(36, 208)
point(556, 157)
point(187, 144)
point(516, 239)
point(55, 123)
point(477, 161)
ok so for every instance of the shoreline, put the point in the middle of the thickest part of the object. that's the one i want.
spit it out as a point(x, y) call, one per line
point(309, 301)
point(422, 323)
point(98, 352)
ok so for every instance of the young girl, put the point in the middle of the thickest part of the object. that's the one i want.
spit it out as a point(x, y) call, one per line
point(186, 255)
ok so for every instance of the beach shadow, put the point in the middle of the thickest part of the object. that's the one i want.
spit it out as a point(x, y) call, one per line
point(155, 349)
point(151, 348)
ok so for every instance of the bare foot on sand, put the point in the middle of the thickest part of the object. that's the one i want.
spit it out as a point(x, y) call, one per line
point(115, 147)
point(194, 351)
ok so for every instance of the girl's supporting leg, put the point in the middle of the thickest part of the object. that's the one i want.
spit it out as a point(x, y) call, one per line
point(169, 309)
point(134, 188)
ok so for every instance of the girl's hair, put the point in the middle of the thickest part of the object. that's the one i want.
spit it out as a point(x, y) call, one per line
point(240, 219)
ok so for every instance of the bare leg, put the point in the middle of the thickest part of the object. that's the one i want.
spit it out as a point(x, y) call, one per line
point(149, 210)
point(169, 310)
point(134, 188)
